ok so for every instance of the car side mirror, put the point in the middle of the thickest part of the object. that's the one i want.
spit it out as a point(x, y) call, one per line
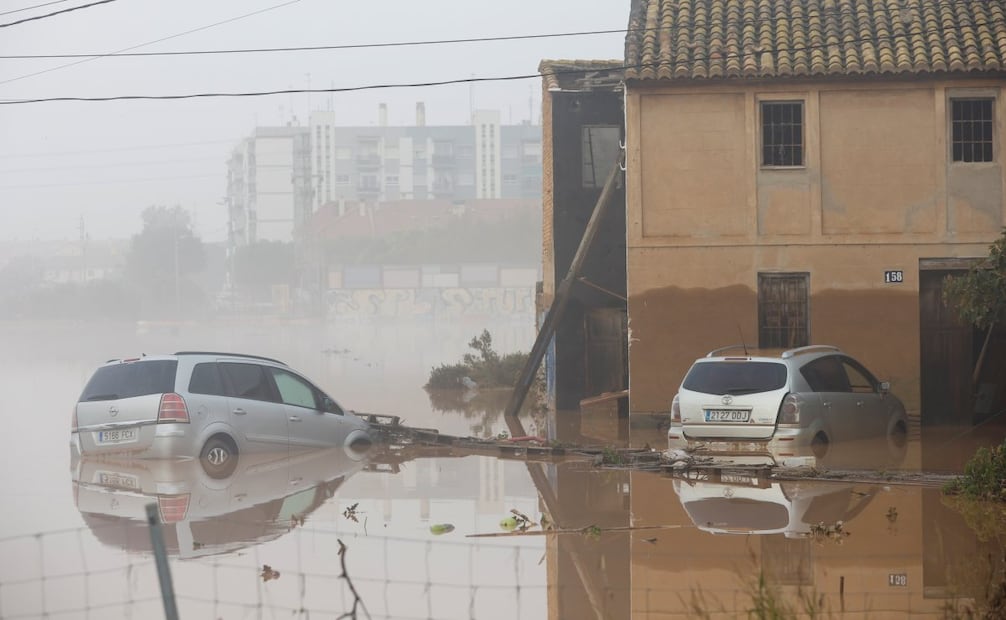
point(885, 387)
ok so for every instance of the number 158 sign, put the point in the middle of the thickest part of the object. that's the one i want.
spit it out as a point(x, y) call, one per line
point(894, 277)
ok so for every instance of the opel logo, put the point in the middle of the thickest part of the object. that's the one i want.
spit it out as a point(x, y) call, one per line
point(728, 399)
point(113, 411)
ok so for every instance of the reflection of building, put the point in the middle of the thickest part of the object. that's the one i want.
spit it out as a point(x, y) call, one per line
point(810, 179)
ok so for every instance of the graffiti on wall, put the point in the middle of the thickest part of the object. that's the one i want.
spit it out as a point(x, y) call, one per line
point(442, 303)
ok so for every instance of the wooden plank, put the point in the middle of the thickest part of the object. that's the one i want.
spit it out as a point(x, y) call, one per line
point(604, 398)
point(562, 293)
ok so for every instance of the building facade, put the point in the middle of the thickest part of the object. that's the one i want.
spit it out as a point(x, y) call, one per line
point(808, 173)
point(279, 176)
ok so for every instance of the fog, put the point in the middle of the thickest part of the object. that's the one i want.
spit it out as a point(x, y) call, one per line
point(72, 169)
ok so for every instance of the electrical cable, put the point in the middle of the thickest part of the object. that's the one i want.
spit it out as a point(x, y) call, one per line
point(349, 46)
point(470, 80)
point(173, 36)
point(54, 13)
point(36, 6)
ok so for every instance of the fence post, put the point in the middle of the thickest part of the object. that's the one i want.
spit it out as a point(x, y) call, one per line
point(161, 559)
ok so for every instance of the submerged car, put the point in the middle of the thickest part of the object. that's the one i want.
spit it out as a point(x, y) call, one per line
point(791, 403)
point(211, 406)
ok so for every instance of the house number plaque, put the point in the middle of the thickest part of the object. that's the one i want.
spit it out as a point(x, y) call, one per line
point(894, 277)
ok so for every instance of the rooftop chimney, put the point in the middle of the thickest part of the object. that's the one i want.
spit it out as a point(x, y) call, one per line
point(382, 115)
point(420, 114)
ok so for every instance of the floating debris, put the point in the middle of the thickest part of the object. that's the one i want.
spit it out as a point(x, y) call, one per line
point(268, 573)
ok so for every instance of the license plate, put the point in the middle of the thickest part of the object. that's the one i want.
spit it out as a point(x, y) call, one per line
point(737, 479)
point(122, 435)
point(119, 481)
point(728, 415)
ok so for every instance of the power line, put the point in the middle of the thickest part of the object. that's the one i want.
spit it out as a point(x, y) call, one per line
point(173, 36)
point(350, 46)
point(54, 13)
point(36, 6)
point(120, 149)
point(111, 182)
point(470, 80)
point(162, 162)
point(414, 43)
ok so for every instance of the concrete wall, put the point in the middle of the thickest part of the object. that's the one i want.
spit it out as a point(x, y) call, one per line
point(877, 192)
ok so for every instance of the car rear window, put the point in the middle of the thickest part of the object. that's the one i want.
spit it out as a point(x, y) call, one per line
point(735, 377)
point(131, 379)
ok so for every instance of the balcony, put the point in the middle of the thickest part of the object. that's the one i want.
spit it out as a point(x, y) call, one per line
point(368, 161)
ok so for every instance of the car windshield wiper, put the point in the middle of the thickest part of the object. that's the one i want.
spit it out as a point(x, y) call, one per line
point(102, 397)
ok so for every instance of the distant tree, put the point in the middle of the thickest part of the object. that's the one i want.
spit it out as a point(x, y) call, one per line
point(161, 257)
point(261, 265)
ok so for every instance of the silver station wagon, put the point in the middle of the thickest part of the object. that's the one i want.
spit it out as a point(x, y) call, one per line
point(211, 406)
point(791, 403)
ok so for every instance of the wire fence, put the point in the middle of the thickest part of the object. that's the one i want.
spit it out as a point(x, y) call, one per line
point(72, 574)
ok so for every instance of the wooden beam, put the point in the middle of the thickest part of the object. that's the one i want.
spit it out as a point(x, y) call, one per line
point(555, 313)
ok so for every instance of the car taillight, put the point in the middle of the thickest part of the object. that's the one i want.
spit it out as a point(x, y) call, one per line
point(675, 410)
point(172, 409)
point(789, 411)
point(173, 509)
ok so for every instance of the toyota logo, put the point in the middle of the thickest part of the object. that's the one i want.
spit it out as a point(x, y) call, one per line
point(113, 411)
point(728, 399)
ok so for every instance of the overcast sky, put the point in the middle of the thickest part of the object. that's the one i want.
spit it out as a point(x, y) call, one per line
point(62, 162)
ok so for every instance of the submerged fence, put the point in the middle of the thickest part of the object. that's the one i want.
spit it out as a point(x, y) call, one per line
point(71, 574)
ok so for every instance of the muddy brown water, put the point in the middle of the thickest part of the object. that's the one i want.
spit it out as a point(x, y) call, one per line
point(423, 537)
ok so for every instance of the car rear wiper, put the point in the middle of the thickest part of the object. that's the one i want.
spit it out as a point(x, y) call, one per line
point(103, 397)
point(747, 390)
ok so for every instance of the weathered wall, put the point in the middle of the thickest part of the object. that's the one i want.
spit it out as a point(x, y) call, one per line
point(876, 192)
point(430, 303)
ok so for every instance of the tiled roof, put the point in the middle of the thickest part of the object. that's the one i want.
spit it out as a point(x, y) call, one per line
point(689, 39)
point(581, 74)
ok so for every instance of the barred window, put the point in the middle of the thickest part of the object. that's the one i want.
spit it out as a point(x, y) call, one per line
point(971, 128)
point(782, 133)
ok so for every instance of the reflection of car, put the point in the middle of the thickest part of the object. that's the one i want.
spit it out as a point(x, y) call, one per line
point(208, 405)
point(265, 496)
point(737, 503)
point(793, 403)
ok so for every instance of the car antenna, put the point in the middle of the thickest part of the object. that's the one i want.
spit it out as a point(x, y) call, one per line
point(741, 332)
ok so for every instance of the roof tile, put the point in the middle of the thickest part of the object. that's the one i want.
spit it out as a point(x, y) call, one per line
point(701, 39)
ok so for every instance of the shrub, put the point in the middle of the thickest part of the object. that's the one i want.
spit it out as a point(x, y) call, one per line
point(984, 475)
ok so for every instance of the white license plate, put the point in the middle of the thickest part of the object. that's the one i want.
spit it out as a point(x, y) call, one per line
point(728, 415)
point(120, 481)
point(737, 479)
point(122, 435)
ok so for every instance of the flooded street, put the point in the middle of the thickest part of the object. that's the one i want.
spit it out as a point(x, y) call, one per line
point(423, 538)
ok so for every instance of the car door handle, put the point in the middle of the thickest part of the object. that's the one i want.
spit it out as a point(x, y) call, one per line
point(294, 418)
point(826, 403)
point(859, 403)
point(239, 411)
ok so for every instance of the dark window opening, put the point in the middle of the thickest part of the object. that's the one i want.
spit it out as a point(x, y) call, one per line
point(782, 133)
point(599, 152)
point(783, 310)
point(971, 129)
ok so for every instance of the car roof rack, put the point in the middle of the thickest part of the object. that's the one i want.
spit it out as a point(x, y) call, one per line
point(809, 349)
point(224, 354)
point(716, 352)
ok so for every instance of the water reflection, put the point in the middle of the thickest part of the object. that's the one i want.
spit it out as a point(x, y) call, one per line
point(266, 496)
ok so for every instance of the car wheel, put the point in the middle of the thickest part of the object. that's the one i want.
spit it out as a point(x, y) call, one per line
point(819, 445)
point(219, 457)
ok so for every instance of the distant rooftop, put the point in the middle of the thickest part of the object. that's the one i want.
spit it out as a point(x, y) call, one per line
point(582, 74)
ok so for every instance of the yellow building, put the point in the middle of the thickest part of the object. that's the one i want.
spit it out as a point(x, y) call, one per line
point(807, 172)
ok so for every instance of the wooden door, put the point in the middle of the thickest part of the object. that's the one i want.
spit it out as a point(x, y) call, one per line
point(945, 356)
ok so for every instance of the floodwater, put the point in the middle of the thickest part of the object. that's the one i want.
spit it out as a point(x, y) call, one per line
point(421, 535)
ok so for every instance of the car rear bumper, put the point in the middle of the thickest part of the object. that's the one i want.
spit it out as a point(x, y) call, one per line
point(155, 441)
point(784, 442)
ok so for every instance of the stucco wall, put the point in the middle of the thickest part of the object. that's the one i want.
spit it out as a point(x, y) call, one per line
point(877, 192)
